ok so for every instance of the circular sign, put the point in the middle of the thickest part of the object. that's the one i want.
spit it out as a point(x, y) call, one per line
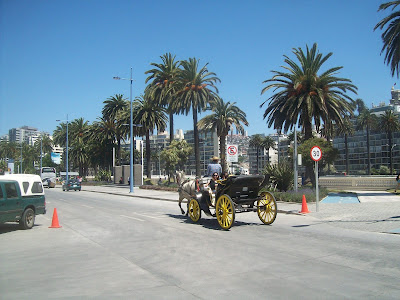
point(316, 153)
point(232, 150)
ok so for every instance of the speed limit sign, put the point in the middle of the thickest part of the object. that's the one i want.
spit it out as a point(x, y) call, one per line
point(316, 153)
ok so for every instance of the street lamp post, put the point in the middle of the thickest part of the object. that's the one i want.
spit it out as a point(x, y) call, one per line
point(41, 151)
point(66, 161)
point(295, 160)
point(131, 177)
point(391, 157)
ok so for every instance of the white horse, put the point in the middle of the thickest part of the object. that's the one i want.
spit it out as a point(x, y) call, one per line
point(187, 189)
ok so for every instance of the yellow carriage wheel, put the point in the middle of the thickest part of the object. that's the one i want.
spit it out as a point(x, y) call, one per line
point(194, 210)
point(266, 208)
point(225, 212)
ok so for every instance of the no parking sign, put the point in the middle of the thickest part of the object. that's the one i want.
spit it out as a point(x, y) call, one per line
point(232, 153)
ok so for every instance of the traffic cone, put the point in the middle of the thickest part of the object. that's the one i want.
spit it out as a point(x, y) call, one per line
point(304, 208)
point(54, 223)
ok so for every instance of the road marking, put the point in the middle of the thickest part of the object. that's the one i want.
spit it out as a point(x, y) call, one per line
point(87, 206)
point(132, 218)
point(143, 215)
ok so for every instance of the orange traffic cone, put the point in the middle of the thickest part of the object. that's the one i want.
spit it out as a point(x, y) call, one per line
point(54, 223)
point(304, 208)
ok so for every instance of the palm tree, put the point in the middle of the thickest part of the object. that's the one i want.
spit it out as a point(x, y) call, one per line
point(223, 117)
point(59, 135)
point(8, 149)
point(47, 144)
point(194, 93)
point(43, 146)
point(389, 122)
point(306, 95)
point(359, 105)
point(114, 105)
point(346, 130)
point(368, 121)
point(79, 144)
point(391, 36)
point(268, 143)
point(260, 143)
point(150, 116)
point(115, 109)
point(102, 137)
point(163, 86)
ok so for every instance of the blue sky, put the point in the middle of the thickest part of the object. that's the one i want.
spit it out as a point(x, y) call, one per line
point(58, 57)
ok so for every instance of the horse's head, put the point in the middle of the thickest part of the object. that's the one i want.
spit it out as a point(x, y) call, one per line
point(179, 176)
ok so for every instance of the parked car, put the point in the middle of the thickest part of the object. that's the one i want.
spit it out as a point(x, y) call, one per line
point(21, 198)
point(71, 184)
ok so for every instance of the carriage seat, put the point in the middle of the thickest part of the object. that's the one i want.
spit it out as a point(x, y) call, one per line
point(242, 186)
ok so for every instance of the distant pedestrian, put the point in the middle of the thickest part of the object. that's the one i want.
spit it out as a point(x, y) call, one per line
point(398, 181)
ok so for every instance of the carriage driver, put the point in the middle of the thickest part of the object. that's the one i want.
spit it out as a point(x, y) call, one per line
point(214, 167)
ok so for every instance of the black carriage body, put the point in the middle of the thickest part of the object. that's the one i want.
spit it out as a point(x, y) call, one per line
point(242, 189)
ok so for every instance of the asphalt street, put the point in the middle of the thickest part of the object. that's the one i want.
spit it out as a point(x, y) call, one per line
point(115, 245)
point(378, 211)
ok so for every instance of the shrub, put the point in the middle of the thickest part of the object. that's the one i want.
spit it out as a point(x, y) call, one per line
point(281, 175)
point(159, 188)
point(103, 175)
point(147, 181)
point(383, 170)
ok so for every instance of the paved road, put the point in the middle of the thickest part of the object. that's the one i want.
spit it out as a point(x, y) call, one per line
point(114, 247)
point(377, 211)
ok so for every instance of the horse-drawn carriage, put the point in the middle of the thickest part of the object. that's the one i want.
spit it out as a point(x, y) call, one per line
point(236, 194)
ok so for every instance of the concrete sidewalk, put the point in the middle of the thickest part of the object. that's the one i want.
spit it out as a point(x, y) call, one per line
point(378, 211)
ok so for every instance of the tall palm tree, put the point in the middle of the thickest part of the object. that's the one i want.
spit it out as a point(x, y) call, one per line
point(59, 134)
point(79, 145)
point(225, 114)
point(259, 142)
point(150, 116)
point(163, 86)
point(47, 143)
point(102, 136)
point(359, 105)
point(391, 36)
point(306, 95)
point(115, 109)
point(114, 105)
point(346, 130)
point(194, 93)
point(268, 143)
point(389, 122)
point(367, 121)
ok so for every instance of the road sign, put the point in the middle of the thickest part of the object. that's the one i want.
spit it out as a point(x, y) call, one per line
point(316, 153)
point(232, 153)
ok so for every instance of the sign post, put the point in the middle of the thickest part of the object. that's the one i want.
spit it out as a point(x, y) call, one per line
point(232, 154)
point(316, 155)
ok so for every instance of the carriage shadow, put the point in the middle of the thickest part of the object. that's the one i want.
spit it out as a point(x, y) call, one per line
point(210, 222)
